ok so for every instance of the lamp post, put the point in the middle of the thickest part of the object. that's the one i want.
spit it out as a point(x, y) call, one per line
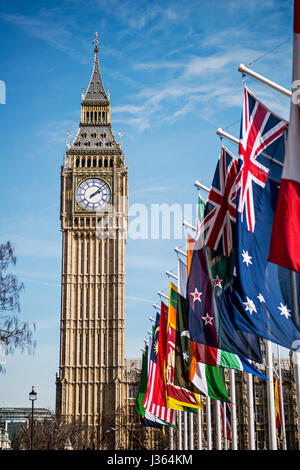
point(32, 398)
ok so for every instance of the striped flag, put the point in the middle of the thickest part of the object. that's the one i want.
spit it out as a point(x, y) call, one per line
point(227, 407)
point(155, 396)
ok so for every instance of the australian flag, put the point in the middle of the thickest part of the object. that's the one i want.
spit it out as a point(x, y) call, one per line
point(211, 319)
point(261, 293)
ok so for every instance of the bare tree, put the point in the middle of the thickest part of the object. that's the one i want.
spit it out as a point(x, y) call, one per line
point(14, 334)
point(51, 433)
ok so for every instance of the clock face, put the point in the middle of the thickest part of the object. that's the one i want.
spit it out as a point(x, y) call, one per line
point(93, 194)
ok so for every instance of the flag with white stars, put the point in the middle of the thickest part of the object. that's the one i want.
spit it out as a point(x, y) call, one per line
point(210, 317)
point(262, 293)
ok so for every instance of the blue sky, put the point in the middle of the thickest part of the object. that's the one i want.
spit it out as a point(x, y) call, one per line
point(171, 69)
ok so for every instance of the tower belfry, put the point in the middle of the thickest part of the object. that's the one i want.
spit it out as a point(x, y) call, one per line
point(90, 387)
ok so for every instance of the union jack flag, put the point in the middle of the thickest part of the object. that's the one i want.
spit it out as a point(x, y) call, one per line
point(220, 211)
point(259, 129)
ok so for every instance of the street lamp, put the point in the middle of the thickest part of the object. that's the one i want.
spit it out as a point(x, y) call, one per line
point(32, 398)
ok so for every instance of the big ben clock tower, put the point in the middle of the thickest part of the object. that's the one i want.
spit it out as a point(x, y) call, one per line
point(90, 383)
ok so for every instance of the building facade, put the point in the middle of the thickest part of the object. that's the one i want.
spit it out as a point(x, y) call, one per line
point(90, 383)
point(155, 440)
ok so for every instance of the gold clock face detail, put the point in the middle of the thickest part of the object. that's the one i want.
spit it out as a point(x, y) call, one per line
point(93, 194)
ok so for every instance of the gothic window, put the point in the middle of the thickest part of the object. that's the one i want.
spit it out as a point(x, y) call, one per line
point(77, 162)
point(82, 162)
point(103, 116)
point(99, 116)
point(105, 163)
point(99, 349)
point(87, 303)
point(81, 257)
point(104, 305)
point(86, 348)
point(80, 349)
point(100, 162)
point(99, 258)
point(87, 256)
point(81, 303)
point(99, 303)
point(104, 349)
point(111, 163)
point(88, 163)
point(86, 399)
point(95, 116)
point(94, 163)
point(104, 257)
point(87, 116)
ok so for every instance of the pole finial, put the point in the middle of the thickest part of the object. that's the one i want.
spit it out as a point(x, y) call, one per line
point(96, 42)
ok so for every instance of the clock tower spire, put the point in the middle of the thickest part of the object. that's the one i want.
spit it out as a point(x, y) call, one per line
point(90, 383)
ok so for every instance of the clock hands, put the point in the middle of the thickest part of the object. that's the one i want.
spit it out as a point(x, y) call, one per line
point(98, 191)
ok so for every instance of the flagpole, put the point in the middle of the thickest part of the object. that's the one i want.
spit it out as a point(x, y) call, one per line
point(296, 360)
point(233, 409)
point(199, 421)
point(185, 436)
point(191, 431)
point(225, 426)
point(179, 430)
point(296, 354)
point(251, 428)
point(281, 401)
point(218, 426)
point(271, 401)
point(208, 424)
point(245, 70)
point(171, 438)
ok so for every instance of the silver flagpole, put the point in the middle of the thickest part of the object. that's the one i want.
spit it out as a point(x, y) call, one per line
point(251, 428)
point(245, 70)
point(179, 430)
point(185, 429)
point(171, 438)
point(191, 431)
point(224, 426)
point(199, 421)
point(218, 426)
point(296, 360)
point(271, 402)
point(281, 401)
point(296, 354)
point(233, 409)
point(208, 423)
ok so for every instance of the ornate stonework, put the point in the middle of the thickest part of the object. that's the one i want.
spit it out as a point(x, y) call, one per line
point(92, 350)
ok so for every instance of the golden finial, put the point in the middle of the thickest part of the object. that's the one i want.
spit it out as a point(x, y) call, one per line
point(96, 42)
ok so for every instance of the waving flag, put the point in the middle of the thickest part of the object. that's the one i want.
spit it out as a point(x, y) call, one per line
point(259, 129)
point(147, 418)
point(178, 396)
point(220, 209)
point(278, 408)
point(211, 320)
point(191, 353)
point(155, 396)
point(284, 249)
point(208, 380)
point(261, 291)
point(227, 408)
